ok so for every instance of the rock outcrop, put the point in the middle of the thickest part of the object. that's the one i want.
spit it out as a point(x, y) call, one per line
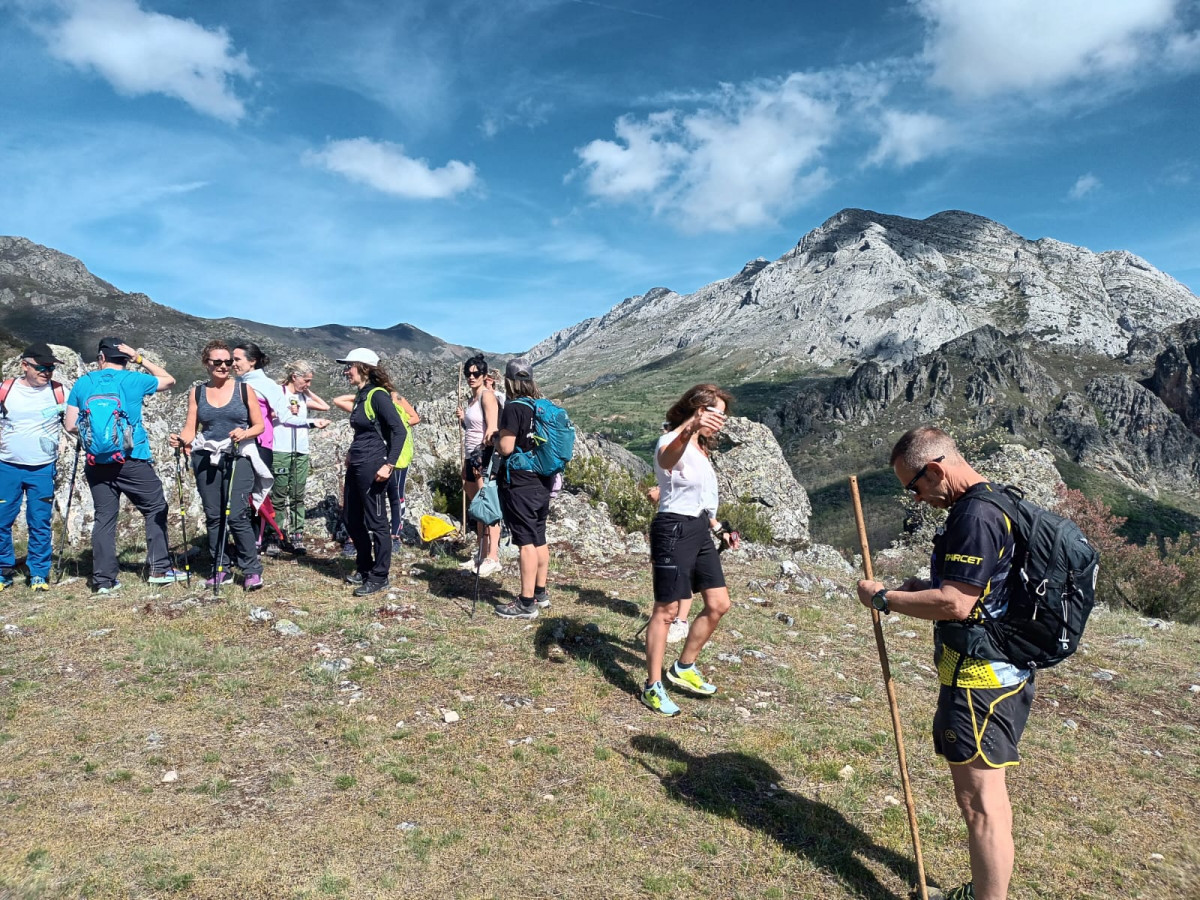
point(750, 468)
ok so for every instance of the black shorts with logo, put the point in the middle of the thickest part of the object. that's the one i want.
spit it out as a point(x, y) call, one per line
point(984, 723)
point(684, 558)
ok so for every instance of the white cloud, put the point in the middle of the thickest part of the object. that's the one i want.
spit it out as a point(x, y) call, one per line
point(1083, 186)
point(750, 157)
point(140, 52)
point(906, 138)
point(385, 167)
point(979, 49)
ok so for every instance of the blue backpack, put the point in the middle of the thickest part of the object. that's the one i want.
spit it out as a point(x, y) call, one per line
point(105, 430)
point(553, 440)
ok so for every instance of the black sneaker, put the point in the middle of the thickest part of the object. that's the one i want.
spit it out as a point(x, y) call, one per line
point(297, 545)
point(371, 587)
point(355, 578)
point(517, 610)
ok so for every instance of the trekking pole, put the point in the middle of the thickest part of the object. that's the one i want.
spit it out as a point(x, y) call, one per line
point(891, 692)
point(62, 548)
point(223, 532)
point(187, 565)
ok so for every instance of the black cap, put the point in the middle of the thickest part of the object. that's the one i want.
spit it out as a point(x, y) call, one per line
point(41, 354)
point(518, 368)
point(109, 347)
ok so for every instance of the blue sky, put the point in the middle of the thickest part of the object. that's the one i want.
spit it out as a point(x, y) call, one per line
point(493, 170)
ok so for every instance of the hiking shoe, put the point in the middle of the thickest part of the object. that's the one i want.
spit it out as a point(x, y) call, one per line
point(690, 680)
point(297, 545)
point(109, 588)
point(371, 587)
point(252, 583)
point(655, 697)
point(517, 610)
point(272, 549)
point(542, 599)
point(396, 543)
point(355, 578)
point(5, 580)
point(678, 631)
point(348, 548)
point(469, 566)
point(168, 577)
point(962, 892)
point(489, 567)
point(38, 583)
point(223, 578)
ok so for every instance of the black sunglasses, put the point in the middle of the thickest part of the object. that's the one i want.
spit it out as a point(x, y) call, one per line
point(474, 374)
point(220, 362)
point(37, 367)
point(911, 487)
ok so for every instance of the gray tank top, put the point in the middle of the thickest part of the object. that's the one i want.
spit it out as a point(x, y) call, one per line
point(217, 421)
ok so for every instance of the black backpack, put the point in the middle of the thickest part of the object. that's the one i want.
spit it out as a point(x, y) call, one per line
point(1051, 591)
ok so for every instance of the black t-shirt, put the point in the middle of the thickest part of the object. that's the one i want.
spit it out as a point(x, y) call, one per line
point(368, 448)
point(517, 418)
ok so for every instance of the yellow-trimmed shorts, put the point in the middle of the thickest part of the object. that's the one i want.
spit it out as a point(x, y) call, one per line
point(982, 723)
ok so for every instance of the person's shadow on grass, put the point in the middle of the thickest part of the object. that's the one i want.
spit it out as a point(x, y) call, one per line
point(743, 788)
point(586, 641)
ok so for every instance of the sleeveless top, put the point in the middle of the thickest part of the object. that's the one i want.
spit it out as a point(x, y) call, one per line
point(217, 421)
point(473, 421)
point(690, 487)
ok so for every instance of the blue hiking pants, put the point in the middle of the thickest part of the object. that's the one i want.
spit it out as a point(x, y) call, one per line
point(36, 485)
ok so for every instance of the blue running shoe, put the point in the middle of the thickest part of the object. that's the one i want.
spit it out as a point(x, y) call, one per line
point(655, 697)
point(38, 583)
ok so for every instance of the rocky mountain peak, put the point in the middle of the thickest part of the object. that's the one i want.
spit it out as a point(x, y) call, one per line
point(866, 285)
point(23, 260)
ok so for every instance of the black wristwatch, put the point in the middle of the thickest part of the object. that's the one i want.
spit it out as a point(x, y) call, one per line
point(879, 601)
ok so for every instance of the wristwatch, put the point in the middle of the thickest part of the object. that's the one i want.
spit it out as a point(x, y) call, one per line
point(879, 601)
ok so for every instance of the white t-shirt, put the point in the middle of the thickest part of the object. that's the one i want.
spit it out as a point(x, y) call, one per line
point(291, 434)
point(29, 434)
point(690, 487)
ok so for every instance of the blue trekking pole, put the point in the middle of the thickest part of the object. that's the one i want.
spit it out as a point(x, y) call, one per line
point(223, 533)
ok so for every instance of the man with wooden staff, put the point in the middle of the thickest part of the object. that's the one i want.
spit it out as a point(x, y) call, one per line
point(983, 704)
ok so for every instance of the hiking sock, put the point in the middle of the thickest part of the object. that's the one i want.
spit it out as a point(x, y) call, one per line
point(539, 592)
point(682, 666)
point(526, 601)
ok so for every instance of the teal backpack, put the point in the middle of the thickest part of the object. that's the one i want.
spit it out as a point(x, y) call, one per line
point(553, 440)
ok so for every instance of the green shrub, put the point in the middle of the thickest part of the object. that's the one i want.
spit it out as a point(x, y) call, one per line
point(445, 484)
point(748, 518)
point(628, 505)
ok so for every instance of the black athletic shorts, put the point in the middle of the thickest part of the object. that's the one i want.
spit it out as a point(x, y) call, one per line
point(684, 558)
point(525, 504)
point(982, 722)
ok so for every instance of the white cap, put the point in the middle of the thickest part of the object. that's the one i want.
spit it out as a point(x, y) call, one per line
point(361, 355)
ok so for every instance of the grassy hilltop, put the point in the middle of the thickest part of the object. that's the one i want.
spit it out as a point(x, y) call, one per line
point(322, 765)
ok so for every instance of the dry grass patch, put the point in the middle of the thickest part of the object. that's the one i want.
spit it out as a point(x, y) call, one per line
point(321, 765)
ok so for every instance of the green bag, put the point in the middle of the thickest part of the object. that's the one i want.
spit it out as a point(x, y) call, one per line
point(406, 452)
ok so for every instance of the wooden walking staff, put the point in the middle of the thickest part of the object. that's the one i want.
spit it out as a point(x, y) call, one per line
point(462, 453)
point(890, 685)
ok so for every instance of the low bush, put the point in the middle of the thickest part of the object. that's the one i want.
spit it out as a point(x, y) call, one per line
point(1156, 579)
point(445, 484)
point(748, 518)
point(628, 505)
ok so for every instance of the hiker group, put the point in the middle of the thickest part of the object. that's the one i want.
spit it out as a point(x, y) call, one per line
point(1010, 585)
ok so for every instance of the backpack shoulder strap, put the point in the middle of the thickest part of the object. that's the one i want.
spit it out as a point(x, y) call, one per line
point(245, 397)
point(60, 393)
point(5, 387)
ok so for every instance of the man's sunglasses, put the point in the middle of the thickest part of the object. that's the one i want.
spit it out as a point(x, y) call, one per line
point(40, 368)
point(219, 363)
point(911, 487)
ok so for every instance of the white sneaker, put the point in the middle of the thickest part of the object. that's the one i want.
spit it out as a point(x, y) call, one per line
point(678, 631)
point(489, 567)
point(469, 565)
